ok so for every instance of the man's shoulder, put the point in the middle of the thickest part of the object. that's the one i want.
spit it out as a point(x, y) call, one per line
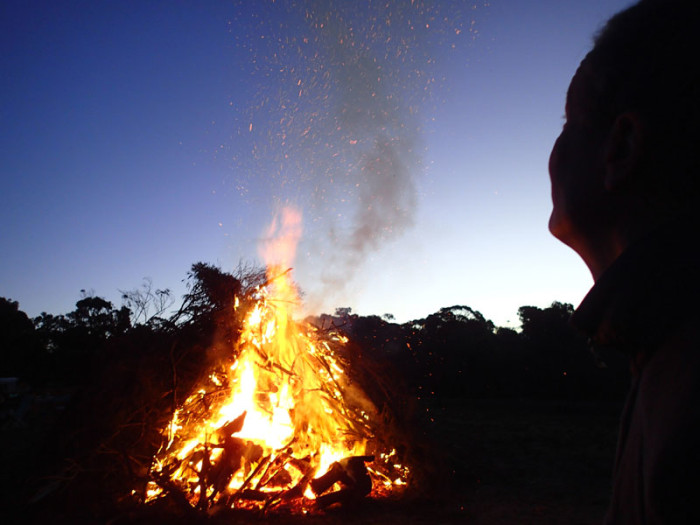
point(669, 382)
point(678, 353)
point(667, 416)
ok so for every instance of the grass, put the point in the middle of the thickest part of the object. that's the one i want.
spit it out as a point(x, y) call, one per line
point(524, 461)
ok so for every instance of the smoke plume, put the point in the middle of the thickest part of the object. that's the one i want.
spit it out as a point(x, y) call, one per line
point(344, 91)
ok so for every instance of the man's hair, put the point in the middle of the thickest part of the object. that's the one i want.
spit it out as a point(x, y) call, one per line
point(647, 59)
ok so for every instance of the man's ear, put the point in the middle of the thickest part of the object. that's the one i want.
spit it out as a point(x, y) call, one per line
point(624, 150)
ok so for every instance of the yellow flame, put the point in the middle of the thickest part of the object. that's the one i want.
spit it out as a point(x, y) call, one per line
point(288, 390)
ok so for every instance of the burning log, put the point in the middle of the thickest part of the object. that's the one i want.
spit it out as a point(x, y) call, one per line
point(203, 479)
point(352, 474)
point(234, 426)
point(230, 461)
point(294, 493)
point(253, 495)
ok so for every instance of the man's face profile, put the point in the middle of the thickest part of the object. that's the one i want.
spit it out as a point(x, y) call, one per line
point(576, 168)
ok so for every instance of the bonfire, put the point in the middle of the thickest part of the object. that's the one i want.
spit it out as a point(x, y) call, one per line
point(281, 421)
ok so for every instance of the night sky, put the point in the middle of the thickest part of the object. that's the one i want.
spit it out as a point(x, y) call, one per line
point(140, 137)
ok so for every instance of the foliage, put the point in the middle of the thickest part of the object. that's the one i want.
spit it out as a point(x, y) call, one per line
point(20, 347)
point(147, 305)
point(457, 353)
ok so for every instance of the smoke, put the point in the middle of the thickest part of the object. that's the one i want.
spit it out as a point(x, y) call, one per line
point(384, 208)
point(344, 91)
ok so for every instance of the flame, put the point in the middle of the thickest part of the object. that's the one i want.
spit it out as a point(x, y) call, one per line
point(278, 249)
point(280, 414)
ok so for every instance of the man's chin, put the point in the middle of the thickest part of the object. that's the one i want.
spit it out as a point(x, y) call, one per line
point(562, 230)
point(556, 226)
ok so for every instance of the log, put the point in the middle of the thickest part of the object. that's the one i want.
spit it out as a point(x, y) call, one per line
point(256, 495)
point(341, 497)
point(232, 427)
point(335, 474)
point(352, 474)
point(203, 477)
point(230, 461)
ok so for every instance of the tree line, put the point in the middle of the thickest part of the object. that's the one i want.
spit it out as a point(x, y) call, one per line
point(456, 352)
point(452, 353)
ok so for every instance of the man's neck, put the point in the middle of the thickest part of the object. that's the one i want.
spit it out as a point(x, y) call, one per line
point(607, 249)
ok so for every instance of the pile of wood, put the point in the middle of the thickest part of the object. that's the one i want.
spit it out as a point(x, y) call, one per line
point(267, 484)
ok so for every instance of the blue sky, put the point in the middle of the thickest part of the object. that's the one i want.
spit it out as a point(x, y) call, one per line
point(140, 137)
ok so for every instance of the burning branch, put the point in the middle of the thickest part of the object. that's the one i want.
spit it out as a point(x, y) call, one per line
point(281, 415)
point(277, 425)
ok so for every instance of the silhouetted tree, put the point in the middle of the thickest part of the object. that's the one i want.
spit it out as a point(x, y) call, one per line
point(560, 360)
point(210, 290)
point(73, 340)
point(99, 318)
point(20, 346)
point(147, 305)
point(548, 327)
point(343, 312)
point(448, 348)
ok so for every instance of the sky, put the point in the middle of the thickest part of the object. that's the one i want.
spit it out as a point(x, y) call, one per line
point(140, 137)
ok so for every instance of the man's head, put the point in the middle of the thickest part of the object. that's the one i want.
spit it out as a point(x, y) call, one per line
point(627, 158)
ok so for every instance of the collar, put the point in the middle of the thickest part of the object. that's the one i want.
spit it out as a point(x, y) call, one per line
point(649, 289)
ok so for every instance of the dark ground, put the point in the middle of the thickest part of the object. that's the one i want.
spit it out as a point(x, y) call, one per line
point(537, 462)
point(504, 461)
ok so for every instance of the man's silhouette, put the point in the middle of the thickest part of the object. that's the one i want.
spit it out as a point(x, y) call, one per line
point(625, 176)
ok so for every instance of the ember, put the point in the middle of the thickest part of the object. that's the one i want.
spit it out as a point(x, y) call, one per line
point(280, 423)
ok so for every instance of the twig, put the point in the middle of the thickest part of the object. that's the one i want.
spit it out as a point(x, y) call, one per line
point(263, 461)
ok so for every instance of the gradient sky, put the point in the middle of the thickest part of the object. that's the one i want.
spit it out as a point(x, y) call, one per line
point(140, 137)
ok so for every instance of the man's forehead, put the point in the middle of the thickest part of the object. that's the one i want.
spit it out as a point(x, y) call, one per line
point(579, 93)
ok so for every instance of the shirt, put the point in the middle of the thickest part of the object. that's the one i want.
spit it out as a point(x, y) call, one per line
point(646, 304)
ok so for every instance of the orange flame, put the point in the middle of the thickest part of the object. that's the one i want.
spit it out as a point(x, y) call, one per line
point(279, 245)
point(278, 415)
